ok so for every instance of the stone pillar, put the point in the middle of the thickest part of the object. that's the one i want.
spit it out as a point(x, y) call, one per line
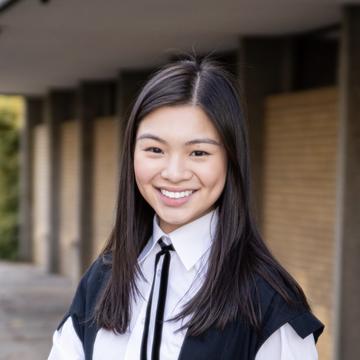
point(33, 115)
point(59, 107)
point(95, 99)
point(347, 292)
point(265, 67)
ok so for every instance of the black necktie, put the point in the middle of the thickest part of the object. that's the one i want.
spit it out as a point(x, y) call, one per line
point(165, 251)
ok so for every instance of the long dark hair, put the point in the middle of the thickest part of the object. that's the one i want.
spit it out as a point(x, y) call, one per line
point(238, 254)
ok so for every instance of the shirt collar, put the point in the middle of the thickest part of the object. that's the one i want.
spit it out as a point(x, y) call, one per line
point(190, 241)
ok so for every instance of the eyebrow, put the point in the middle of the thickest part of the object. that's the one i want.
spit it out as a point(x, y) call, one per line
point(190, 142)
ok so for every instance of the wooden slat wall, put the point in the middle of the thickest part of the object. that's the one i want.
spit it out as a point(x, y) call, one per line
point(40, 195)
point(105, 180)
point(69, 199)
point(299, 194)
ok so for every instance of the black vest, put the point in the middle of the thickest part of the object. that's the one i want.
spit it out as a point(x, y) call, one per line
point(237, 341)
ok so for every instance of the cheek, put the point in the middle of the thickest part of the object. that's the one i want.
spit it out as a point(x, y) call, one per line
point(144, 169)
point(214, 176)
point(141, 173)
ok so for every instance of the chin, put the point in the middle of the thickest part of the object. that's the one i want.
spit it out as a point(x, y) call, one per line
point(176, 220)
point(185, 219)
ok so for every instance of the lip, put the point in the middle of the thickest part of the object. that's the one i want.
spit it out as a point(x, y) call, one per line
point(174, 202)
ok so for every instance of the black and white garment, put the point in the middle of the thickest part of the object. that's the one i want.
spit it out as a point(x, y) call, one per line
point(286, 333)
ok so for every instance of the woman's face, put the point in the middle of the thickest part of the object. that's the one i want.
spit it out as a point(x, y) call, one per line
point(180, 164)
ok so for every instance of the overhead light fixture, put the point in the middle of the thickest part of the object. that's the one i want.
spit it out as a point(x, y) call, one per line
point(4, 4)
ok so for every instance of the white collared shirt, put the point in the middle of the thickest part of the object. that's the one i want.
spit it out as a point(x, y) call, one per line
point(186, 274)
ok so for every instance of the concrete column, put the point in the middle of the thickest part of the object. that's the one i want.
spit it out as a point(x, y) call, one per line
point(95, 99)
point(265, 67)
point(59, 107)
point(348, 215)
point(33, 115)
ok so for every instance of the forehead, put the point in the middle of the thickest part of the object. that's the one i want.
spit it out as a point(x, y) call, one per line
point(181, 121)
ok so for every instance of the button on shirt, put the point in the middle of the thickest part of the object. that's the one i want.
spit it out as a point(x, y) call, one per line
point(186, 274)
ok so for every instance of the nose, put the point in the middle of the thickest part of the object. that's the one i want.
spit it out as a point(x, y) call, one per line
point(175, 170)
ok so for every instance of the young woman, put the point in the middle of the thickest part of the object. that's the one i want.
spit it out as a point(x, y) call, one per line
point(185, 274)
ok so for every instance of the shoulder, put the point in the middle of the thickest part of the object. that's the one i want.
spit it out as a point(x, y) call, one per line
point(276, 312)
point(87, 293)
point(97, 272)
point(94, 278)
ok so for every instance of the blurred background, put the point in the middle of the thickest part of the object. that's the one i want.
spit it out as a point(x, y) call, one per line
point(69, 72)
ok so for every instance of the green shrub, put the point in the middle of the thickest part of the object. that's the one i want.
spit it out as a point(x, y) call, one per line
point(9, 185)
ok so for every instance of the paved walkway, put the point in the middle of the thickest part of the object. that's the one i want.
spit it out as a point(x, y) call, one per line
point(31, 305)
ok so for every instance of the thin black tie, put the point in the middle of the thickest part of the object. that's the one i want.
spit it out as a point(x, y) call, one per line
point(165, 250)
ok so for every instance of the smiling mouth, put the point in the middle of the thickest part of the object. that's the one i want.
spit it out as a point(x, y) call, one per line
point(176, 194)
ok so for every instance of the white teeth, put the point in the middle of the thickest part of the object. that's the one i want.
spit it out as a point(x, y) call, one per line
point(176, 195)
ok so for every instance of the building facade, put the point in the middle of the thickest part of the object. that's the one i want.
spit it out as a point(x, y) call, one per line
point(302, 97)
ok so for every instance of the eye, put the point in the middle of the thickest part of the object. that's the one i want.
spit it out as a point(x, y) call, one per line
point(154, 150)
point(199, 153)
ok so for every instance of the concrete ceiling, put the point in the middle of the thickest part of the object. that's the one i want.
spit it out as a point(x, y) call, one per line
point(62, 42)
